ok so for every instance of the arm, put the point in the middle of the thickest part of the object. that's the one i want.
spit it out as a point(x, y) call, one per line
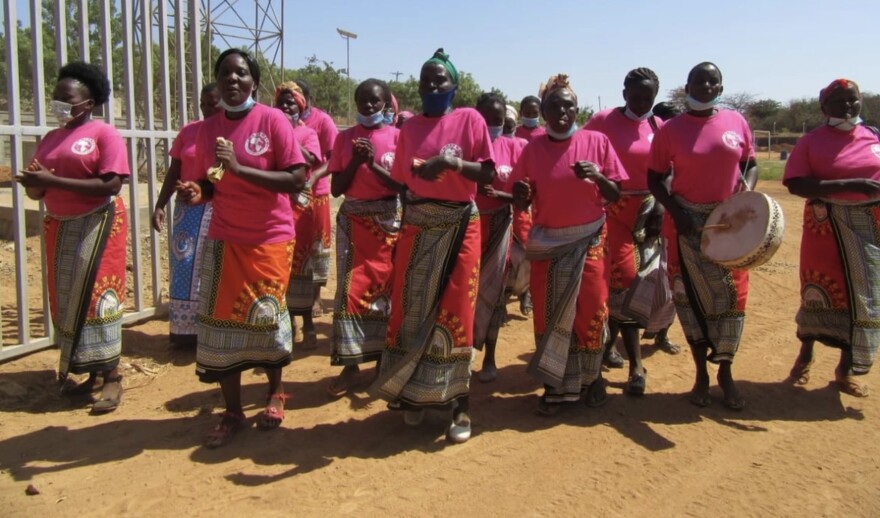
point(658, 187)
point(589, 171)
point(37, 178)
point(168, 187)
point(749, 170)
point(288, 181)
point(480, 172)
point(809, 187)
point(491, 192)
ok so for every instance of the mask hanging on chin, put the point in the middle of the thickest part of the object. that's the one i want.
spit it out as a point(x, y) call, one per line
point(844, 124)
point(437, 103)
point(562, 136)
point(632, 116)
point(370, 121)
point(696, 105)
point(248, 103)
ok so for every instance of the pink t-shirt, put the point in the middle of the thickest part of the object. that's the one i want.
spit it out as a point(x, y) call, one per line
point(326, 129)
point(529, 133)
point(307, 138)
point(184, 149)
point(632, 142)
point(507, 152)
point(560, 198)
point(244, 212)
point(829, 154)
point(705, 153)
point(461, 133)
point(89, 150)
point(366, 185)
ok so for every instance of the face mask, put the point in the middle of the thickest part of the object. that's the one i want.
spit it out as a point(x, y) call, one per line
point(844, 124)
point(294, 119)
point(437, 104)
point(632, 116)
point(248, 103)
point(389, 118)
point(306, 114)
point(698, 106)
point(495, 131)
point(562, 136)
point(530, 122)
point(371, 120)
point(61, 110)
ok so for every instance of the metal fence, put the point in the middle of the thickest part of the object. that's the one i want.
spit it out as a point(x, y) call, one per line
point(157, 44)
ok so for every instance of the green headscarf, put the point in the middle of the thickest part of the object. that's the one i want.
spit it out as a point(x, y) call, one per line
point(442, 58)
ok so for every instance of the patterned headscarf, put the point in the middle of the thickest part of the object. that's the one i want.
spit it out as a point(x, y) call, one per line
point(441, 58)
point(556, 82)
point(293, 88)
point(837, 84)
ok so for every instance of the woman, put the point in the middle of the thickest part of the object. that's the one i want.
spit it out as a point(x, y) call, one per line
point(243, 319)
point(367, 225)
point(529, 110)
point(634, 223)
point(493, 202)
point(77, 170)
point(317, 246)
point(190, 226)
point(712, 155)
point(836, 167)
point(568, 175)
point(441, 156)
point(300, 296)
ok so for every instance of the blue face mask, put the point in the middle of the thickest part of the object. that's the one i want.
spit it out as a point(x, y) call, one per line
point(307, 113)
point(389, 118)
point(248, 103)
point(531, 122)
point(495, 131)
point(438, 103)
point(371, 120)
point(562, 136)
point(696, 105)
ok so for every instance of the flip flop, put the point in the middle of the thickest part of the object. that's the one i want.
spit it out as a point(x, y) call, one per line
point(635, 385)
point(848, 385)
point(109, 402)
point(221, 434)
point(800, 372)
point(273, 415)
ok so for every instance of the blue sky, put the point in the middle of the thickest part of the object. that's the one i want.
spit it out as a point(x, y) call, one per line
point(774, 49)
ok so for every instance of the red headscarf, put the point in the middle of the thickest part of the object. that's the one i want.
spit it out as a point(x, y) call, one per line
point(835, 85)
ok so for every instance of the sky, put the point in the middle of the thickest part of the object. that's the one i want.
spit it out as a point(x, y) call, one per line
point(775, 49)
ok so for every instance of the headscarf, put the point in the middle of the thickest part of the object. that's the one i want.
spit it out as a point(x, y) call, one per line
point(511, 113)
point(441, 58)
point(293, 88)
point(837, 84)
point(405, 114)
point(556, 82)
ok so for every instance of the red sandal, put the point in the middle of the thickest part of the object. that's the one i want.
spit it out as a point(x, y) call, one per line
point(273, 415)
point(230, 422)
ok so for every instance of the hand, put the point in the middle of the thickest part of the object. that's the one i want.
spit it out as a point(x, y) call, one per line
point(586, 170)
point(159, 218)
point(487, 190)
point(189, 192)
point(36, 176)
point(226, 155)
point(363, 151)
point(866, 186)
point(432, 169)
point(522, 193)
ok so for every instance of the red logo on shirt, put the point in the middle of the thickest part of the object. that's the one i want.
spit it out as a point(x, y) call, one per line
point(257, 144)
point(387, 160)
point(451, 150)
point(504, 172)
point(731, 139)
point(83, 146)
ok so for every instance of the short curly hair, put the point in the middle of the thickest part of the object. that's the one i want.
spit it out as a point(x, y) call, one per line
point(89, 75)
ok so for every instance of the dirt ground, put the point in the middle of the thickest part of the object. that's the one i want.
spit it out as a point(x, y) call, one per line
point(793, 451)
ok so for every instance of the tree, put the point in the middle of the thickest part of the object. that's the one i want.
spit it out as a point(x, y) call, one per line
point(738, 102)
point(677, 96)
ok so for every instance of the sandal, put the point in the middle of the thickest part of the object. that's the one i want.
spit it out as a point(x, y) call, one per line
point(273, 415)
point(110, 398)
point(800, 372)
point(310, 340)
point(668, 347)
point(635, 385)
point(89, 386)
point(221, 434)
point(341, 384)
point(700, 399)
point(612, 358)
point(849, 385)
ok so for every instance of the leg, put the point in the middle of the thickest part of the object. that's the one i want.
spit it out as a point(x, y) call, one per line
point(635, 385)
point(732, 399)
point(700, 392)
point(800, 372)
point(111, 393)
point(596, 394)
point(310, 337)
point(846, 379)
point(273, 415)
point(489, 371)
point(525, 303)
point(340, 384)
point(460, 428)
point(317, 308)
point(233, 417)
point(612, 358)
point(69, 388)
point(662, 341)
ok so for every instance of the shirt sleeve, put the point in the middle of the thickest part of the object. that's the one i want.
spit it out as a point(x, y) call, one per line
point(481, 145)
point(327, 136)
point(661, 156)
point(798, 163)
point(748, 147)
point(612, 168)
point(113, 155)
point(336, 158)
point(400, 171)
point(177, 145)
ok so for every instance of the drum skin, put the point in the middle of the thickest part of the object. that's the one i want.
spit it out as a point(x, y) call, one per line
point(744, 231)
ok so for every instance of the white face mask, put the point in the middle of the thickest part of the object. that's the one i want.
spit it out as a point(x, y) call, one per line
point(632, 116)
point(698, 106)
point(246, 105)
point(844, 124)
point(62, 110)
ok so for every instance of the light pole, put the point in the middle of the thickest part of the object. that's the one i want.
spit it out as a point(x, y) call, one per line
point(348, 37)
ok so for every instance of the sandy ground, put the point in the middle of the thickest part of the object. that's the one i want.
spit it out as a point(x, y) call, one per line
point(793, 451)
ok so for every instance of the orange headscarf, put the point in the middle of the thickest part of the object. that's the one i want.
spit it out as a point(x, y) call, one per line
point(293, 88)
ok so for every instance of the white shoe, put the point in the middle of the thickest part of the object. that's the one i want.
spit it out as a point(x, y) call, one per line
point(459, 430)
point(413, 417)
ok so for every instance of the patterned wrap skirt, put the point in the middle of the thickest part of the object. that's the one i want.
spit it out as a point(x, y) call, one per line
point(187, 246)
point(311, 257)
point(494, 253)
